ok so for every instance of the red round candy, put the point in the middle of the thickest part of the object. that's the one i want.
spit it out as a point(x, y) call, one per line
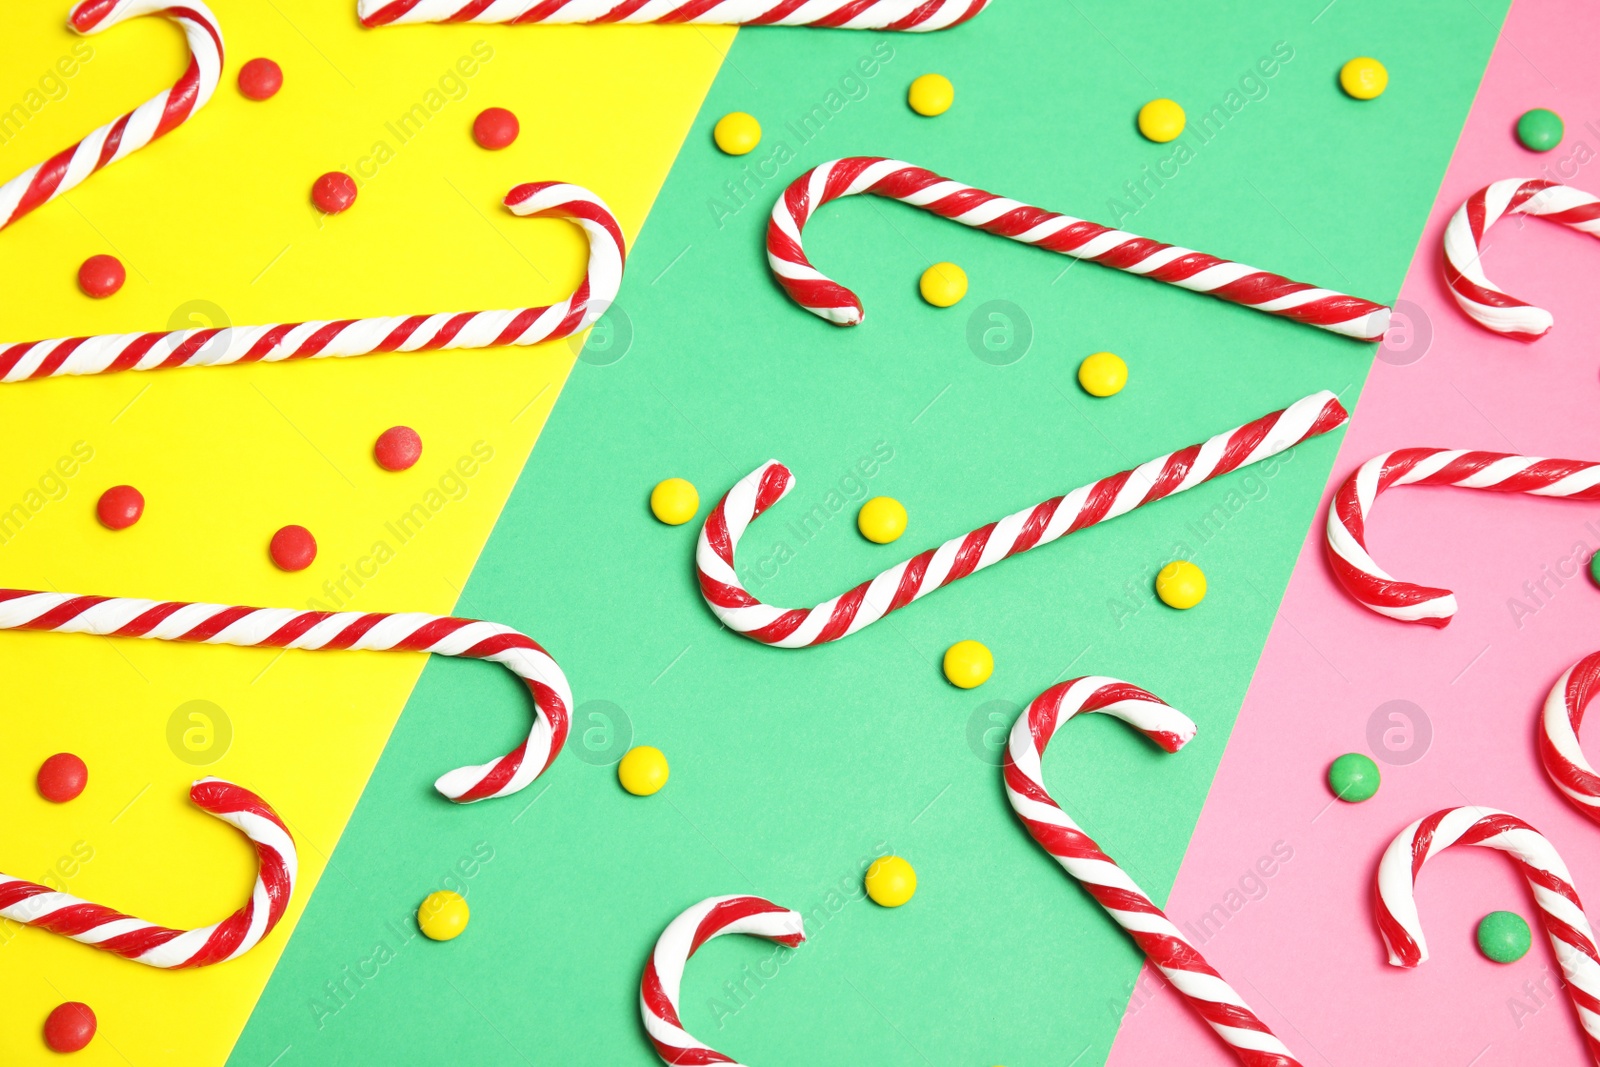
point(334, 192)
point(101, 276)
point(120, 507)
point(62, 777)
point(70, 1027)
point(293, 548)
point(495, 128)
point(398, 448)
point(260, 79)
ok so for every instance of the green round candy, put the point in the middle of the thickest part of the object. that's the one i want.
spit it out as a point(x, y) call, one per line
point(1353, 777)
point(1594, 568)
point(1504, 937)
point(1540, 129)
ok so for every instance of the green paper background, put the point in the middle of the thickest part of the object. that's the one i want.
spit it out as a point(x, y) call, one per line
point(791, 769)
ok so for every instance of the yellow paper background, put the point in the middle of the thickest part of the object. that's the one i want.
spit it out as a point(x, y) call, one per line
point(214, 221)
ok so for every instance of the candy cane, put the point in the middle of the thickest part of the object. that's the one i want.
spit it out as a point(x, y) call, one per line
point(663, 974)
point(157, 946)
point(915, 578)
point(1564, 760)
point(359, 337)
point(217, 624)
point(1483, 301)
point(1498, 472)
point(116, 140)
point(1187, 269)
point(1194, 979)
point(907, 15)
point(1570, 934)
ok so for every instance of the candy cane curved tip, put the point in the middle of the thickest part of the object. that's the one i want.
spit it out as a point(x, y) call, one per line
point(1481, 299)
point(661, 985)
point(1564, 762)
point(277, 869)
point(1346, 532)
point(1569, 931)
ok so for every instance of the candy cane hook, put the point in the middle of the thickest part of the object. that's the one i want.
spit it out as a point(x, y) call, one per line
point(360, 337)
point(157, 946)
point(663, 974)
point(1497, 472)
point(1194, 979)
point(1563, 759)
point(216, 624)
point(1568, 928)
point(906, 15)
point(1483, 301)
point(118, 139)
point(1183, 267)
point(915, 578)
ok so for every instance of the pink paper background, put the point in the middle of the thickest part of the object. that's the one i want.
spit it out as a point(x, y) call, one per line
point(1306, 954)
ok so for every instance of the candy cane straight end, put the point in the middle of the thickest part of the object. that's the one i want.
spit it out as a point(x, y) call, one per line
point(1483, 301)
point(277, 868)
point(663, 973)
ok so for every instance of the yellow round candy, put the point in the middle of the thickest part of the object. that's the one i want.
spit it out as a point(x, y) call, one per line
point(737, 133)
point(674, 501)
point(1363, 78)
point(931, 94)
point(968, 664)
point(1181, 584)
point(1103, 374)
point(881, 519)
point(1161, 120)
point(443, 915)
point(891, 881)
point(643, 771)
point(943, 284)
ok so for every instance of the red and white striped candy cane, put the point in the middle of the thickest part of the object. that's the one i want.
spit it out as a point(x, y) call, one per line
point(217, 624)
point(663, 974)
point(1563, 758)
point(905, 15)
point(358, 337)
point(157, 946)
point(1483, 301)
point(116, 140)
point(1498, 472)
point(915, 578)
point(1568, 928)
point(1183, 267)
point(1194, 979)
